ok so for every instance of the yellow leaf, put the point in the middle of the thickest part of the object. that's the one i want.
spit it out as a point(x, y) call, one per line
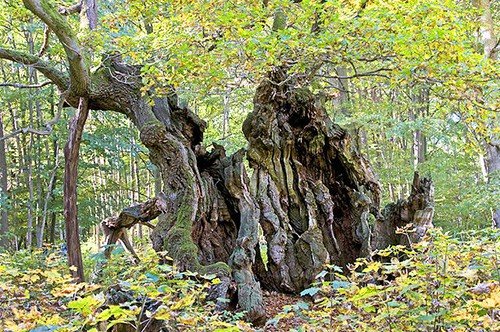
point(373, 266)
point(184, 302)
point(469, 273)
point(163, 313)
point(191, 321)
point(493, 301)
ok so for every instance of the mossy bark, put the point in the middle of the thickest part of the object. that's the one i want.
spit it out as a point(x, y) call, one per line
point(210, 219)
point(311, 192)
point(314, 190)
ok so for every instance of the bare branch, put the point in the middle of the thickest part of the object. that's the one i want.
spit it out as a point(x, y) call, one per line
point(49, 126)
point(25, 131)
point(377, 58)
point(48, 70)
point(79, 73)
point(26, 86)
point(376, 72)
point(45, 45)
point(76, 8)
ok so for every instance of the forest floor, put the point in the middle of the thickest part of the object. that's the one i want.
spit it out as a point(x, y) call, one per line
point(275, 304)
point(444, 283)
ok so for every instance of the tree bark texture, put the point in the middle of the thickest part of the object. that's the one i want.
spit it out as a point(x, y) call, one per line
point(314, 190)
point(417, 209)
point(310, 192)
point(71, 153)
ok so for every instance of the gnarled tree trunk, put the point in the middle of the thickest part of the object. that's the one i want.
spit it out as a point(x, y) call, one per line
point(210, 218)
point(314, 190)
point(311, 192)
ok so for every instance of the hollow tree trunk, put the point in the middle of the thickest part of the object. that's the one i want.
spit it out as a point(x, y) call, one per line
point(210, 217)
point(310, 191)
point(314, 190)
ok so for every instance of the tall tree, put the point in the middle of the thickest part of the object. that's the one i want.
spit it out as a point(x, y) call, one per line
point(4, 224)
point(490, 43)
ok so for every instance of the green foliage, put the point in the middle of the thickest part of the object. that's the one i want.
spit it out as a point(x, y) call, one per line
point(215, 53)
point(443, 283)
point(37, 292)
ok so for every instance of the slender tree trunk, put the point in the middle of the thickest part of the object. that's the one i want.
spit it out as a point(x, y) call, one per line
point(342, 85)
point(418, 110)
point(29, 183)
point(71, 154)
point(52, 234)
point(29, 155)
point(225, 114)
point(49, 195)
point(489, 40)
point(4, 225)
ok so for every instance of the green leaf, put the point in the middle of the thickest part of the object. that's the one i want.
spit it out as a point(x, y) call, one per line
point(310, 291)
point(151, 276)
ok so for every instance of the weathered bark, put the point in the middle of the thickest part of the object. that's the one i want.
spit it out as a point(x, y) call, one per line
point(314, 190)
point(71, 154)
point(489, 40)
point(206, 196)
point(417, 209)
point(419, 109)
point(228, 227)
point(493, 169)
point(88, 14)
point(311, 191)
point(115, 228)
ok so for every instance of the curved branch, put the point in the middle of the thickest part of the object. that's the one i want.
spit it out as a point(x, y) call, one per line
point(59, 78)
point(79, 72)
point(45, 44)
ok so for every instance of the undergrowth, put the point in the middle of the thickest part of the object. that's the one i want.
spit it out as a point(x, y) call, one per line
point(441, 284)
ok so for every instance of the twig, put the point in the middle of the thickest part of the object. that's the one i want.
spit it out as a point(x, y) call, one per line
point(76, 8)
point(26, 86)
point(45, 44)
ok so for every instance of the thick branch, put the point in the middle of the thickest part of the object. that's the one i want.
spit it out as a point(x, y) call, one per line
point(79, 73)
point(140, 213)
point(115, 228)
point(56, 76)
point(76, 8)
